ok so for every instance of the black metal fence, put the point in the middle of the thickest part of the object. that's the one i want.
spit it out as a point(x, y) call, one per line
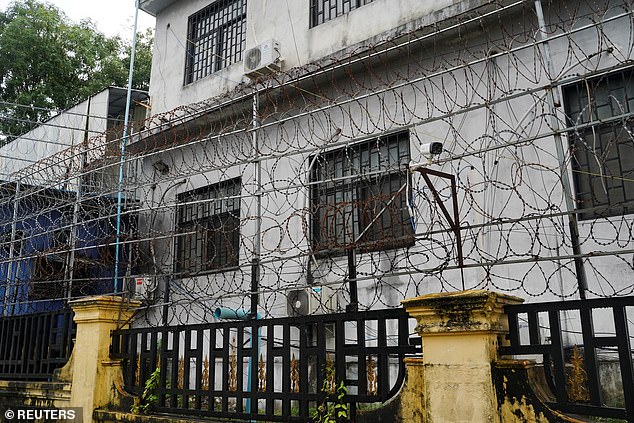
point(273, 369)
point(32, 346)
point(573, 368)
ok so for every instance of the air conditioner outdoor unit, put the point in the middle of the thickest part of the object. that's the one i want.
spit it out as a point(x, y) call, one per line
point(311, 300)
point(262, 59)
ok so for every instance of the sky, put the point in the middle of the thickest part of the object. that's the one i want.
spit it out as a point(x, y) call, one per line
point(112, 17)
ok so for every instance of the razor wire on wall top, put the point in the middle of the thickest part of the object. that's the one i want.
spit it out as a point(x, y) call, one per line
point(279, 180)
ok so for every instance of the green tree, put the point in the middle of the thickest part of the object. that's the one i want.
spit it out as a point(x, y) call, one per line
point(48, 62)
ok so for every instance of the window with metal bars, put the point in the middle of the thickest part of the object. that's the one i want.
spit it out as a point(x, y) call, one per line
point(208, 227)
point(5, 244)
point(325, 10)
point(47, 279)
point(215, 38)
point(359, 196)
point(601, 112)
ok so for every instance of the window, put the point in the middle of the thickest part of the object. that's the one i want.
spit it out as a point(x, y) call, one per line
point(47, 280)
point(209, 228)
point(602, 110)
point(215, 38)
point(5, 244)
point(50, 270)
point(325, 10)
point(359, 196)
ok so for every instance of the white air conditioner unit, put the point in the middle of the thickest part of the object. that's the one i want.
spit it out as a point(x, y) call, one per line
point(143, 288)
point(311, 300)
point(262, 59)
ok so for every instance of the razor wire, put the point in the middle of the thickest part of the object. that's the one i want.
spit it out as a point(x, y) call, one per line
point(479, 84)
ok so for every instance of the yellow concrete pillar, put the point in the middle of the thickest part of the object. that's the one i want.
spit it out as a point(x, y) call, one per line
point(413, 393)
point(460, 333)
point(93, 372)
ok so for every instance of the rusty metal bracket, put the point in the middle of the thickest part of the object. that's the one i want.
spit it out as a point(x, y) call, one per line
point(454, 221)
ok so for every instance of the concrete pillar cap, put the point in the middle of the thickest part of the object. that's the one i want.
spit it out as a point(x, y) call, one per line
point(464, 311)
point(103, 308)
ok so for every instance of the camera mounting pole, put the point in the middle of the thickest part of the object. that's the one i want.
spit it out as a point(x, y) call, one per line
point(454, 221)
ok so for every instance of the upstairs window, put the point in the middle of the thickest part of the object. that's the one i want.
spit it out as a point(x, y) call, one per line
point(215, 38)
point(601, 110)
point(208, 228)
point(359, 196)
point(325, 10)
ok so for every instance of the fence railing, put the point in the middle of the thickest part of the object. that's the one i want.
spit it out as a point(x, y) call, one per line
point(274, 369)
point(573, 368)
point(32, 346)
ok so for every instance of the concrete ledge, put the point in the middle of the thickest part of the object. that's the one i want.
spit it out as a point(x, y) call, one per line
point(106, 416)
point(44, 394)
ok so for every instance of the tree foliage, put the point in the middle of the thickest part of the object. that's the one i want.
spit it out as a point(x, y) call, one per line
point(48, 62)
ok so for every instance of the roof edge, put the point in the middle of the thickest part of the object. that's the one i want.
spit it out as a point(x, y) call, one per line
point(154, 7)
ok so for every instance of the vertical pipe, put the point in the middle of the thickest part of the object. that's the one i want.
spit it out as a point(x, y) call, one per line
point(352, 281)
point(553, 102)
point(255, 264)
point(253, 366)
point(124, 140)
point(255, 278)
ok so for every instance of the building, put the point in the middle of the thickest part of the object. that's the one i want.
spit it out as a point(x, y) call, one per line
point(283, 134)
point(292, 163)
point(328, 156)
point(54, 248)
point(79, 124)
point(58, 206)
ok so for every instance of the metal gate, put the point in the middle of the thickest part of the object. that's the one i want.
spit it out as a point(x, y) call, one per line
point(273, 369)
point(573, 370)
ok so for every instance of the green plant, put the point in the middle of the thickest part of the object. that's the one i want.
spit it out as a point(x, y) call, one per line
point(333, 408)
point(149, 398)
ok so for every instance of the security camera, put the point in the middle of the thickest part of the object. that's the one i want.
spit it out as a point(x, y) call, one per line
point(429, 150)
point(432, 148)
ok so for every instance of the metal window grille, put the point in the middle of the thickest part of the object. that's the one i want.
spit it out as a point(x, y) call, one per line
point(359, 196)
point(47, 281)
point(325, 10)
point(5, 244)
point(601, 112)
point(209, 228)
point(215, 38)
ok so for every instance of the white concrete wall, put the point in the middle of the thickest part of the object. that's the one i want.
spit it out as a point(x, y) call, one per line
point(284, 20)
point(289, 22)
point(494, 183)
point(53, 136)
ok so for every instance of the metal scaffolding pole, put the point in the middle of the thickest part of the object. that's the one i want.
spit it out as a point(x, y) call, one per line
point(554, 101)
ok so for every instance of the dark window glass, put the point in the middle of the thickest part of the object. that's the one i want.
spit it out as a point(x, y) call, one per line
point(47, 280)
point(325, 10)
point(359, 196)
point(601, 112)
point(209, 228)
point(215, 38)
point(5, 244)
